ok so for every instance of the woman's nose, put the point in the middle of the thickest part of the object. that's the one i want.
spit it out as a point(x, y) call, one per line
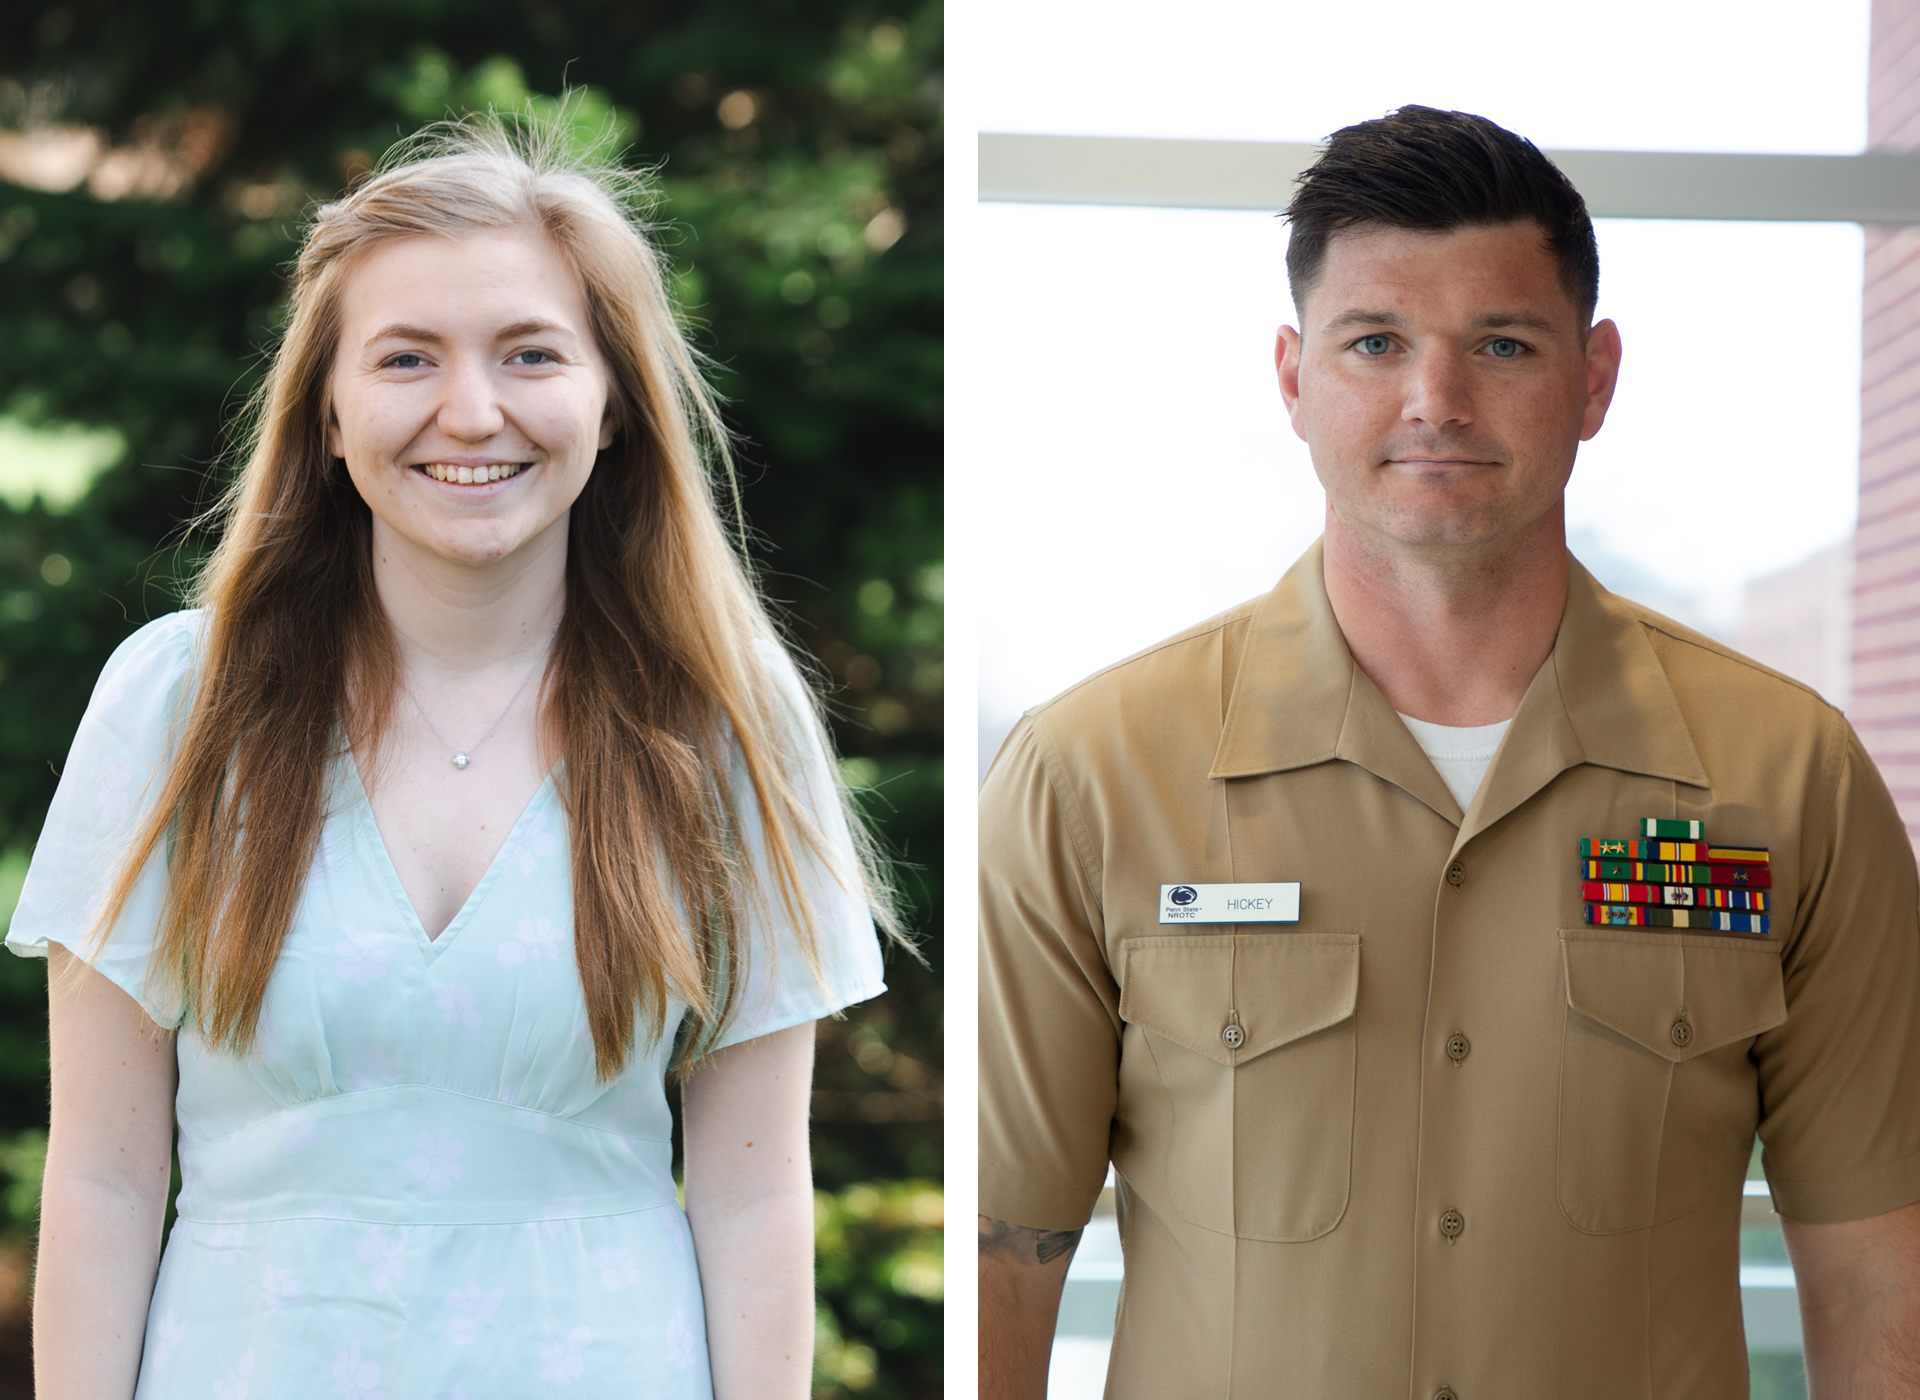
point(470, 409)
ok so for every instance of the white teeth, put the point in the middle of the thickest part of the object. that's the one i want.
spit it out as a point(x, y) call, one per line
point(497, 471)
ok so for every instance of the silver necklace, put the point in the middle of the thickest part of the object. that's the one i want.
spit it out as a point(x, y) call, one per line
point(462, 757)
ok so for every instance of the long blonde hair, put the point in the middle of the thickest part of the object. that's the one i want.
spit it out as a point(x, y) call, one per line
point(656, 685)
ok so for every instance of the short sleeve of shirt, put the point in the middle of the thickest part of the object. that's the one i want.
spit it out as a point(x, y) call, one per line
point(780, 989)
point(1049, 1005)
point(1840, 1078)
point(112, 775)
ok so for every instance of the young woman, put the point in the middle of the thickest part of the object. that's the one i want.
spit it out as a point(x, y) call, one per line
point(474, 799)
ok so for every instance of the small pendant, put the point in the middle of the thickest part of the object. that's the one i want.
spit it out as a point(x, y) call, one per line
point(460, 760)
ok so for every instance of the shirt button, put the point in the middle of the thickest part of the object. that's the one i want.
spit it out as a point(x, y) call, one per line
point(1445, 1392)
point(1457, 1047)
point(1234, 1037)
point(1682, 1033)
point(1452, 1223)
point(1456, 874)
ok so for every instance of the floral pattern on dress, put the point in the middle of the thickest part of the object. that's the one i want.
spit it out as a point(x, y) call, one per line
point(536, 845)
point(385, 1256)
point(564, 1364)
point(281, 1287)
point(372, 1067)
point(617, 1269)
point(356, 1376)
point(233, 1386)
point(165, 1333)
point(534, 939)
point(362, 959)
point(454, 1000)
point(471, 1307)
point(438, 1161)
point(682, 1346)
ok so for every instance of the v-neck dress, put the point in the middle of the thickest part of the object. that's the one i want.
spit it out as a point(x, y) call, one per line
point(413, 1186)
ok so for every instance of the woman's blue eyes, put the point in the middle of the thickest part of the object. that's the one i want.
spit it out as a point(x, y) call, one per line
point(407, 359)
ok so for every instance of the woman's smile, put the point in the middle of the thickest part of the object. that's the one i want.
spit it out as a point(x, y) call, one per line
point(476, 473)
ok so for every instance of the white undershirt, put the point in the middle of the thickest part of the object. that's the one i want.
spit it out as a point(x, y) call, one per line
point(1459, 756)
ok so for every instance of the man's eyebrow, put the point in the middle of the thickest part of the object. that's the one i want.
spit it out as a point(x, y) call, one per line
point(1348, 319)
point(1514, 320)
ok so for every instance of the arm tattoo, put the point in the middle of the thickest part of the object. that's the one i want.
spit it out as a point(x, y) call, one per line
point(1022, 1244)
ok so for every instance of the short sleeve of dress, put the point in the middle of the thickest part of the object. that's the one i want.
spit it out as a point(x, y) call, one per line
point(112, 775)
point(780, 989)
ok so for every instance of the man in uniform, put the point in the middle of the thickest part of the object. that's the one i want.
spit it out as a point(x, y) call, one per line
point(1320, 921)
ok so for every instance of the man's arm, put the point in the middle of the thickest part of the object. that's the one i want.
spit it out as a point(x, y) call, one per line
point(1859, 1304)
point(1021, 1274)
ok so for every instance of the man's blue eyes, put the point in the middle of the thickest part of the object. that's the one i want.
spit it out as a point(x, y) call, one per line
point(1501, 349)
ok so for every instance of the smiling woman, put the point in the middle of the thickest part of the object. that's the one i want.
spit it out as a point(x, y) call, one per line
point(417, 971)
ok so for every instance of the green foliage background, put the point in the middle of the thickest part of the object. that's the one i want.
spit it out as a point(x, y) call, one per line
point(797, 144)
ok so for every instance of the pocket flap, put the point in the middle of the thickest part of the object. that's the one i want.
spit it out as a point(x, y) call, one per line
point(1646, 986)
point(1281, 985)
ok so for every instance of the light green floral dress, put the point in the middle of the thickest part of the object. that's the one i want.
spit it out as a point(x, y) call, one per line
point(414, 1186)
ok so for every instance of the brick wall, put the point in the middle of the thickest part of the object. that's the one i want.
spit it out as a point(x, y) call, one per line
point(1886, 590)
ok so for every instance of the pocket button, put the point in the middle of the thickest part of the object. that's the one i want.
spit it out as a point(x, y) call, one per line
point(1445, 1392)
point(1458, 1047)
point(1682, 1033)
point(1234, 1036)
point(1452, 1223)
point(1456, 874)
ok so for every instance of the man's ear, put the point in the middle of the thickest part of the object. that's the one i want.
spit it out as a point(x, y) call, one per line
point(1603, 374)
point(1286, 362)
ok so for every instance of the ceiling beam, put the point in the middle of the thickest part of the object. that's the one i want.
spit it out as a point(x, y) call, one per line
point(1875, 188)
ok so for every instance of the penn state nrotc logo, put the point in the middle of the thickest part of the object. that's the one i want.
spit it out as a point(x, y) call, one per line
point(1182, 895)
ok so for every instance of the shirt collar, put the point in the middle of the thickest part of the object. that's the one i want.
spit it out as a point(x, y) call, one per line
point(1602, 697)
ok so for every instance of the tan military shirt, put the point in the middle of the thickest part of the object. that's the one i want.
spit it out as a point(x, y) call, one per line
point(1460, 1143)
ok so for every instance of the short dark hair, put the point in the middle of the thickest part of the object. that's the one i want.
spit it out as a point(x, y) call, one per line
point(1432, 171)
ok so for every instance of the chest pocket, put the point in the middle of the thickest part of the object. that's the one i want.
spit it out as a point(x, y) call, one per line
point(1252, 1036)
point(1658, 1096)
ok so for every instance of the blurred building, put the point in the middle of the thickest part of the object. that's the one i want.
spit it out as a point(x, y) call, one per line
point(1800, 621)
point(1884, 703)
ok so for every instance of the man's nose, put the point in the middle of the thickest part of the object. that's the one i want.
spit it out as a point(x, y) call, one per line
point(1439, 394)
point(470, 409)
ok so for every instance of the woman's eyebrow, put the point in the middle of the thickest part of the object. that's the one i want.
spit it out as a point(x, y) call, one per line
point(520, 328)
point(403, 331)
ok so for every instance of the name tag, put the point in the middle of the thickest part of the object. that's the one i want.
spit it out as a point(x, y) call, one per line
point(1230, 904)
